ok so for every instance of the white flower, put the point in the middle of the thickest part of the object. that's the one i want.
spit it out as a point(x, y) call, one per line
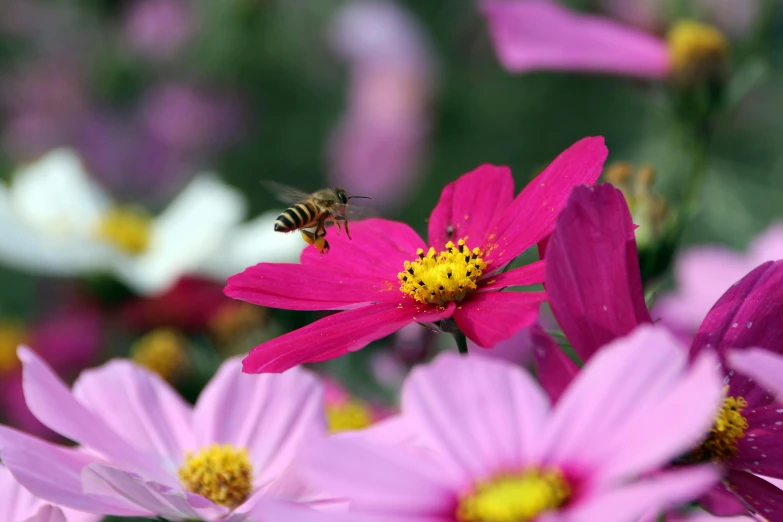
point(55, 220)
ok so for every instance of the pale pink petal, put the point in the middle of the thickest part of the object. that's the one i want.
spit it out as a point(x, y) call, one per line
point(531, 274)
point(380, 480)
point(269, 415)
point(47, 513)
point(592, 270)
point(470, 205)
point(266, 510)
point(532, 35)
point(703, 274)
point(141, 406)
point(484, 415)
point(490, 317)
point(554, 369)
point(531, 217)
point(51, 401)
point(326, 338)
point(17, 502)
point(53, 473)
point(108, 482)
point(627, 376)
point(665, 491)
point(516, 349)
point(762, 365)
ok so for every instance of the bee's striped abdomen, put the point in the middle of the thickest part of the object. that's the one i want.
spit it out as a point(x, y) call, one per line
point(301, 215)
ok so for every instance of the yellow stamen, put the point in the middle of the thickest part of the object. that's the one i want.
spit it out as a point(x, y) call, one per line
point(697, 51)
point(730, 425)
point(515, 497)
point(12, 334)
point(223, 474)
point(127, 228)
point(163, 351)
point(348, 415)
point(438, 278)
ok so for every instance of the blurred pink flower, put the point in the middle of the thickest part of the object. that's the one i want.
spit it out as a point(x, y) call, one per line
point(345, 412)
point(148, 453)
point(377, 148)
point(68, 340)
point(703, 273)
point(485, 438)
point(19, 505)
point(542, 35)
point(385, 279)
point(157, 29)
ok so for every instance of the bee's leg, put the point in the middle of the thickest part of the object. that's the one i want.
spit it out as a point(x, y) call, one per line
point(345, 223)
point(309, 236)
point(322, 245)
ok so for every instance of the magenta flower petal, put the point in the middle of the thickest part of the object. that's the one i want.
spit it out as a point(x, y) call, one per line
point(531, 217)
point(469, 206)
point(337, 335)
point(534, 35)
point(52, 403)
point(631, 502)
point(762, 365)
point(378, 247)
point(490, 317)
point(555, 370)
point(246, 411)
point(105, 481)
point(722, 502)
point(456, 419)
point(592, 270)
point(303, 287)
point(139, 405)
point(649, 366)
point(761, 451)
point(525, 275)
point(763, 496)
point(748, 314)
point(392, 479)
point(26, 456)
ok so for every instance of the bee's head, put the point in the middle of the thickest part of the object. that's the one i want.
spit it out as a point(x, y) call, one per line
point(342, 196)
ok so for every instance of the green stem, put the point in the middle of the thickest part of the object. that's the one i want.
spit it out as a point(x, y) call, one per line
point(698, 169)
point(462, 342)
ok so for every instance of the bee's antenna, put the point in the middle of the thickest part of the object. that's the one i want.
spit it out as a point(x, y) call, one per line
point(359, 197)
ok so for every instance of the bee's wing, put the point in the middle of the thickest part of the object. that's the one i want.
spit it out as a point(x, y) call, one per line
point(358, 211)
point(285, 193)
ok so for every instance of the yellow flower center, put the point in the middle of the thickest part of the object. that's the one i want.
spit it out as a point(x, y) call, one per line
point(234, 319)
point(163, 351)
point(515, 497)
point(223, 474)
point(438, 278)
point(348, 415)
point(730, 425)
point(696, 50)
point(12, 334)
point(127, 228)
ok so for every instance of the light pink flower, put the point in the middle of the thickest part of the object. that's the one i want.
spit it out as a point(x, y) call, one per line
point(157, 29)
point(385, 278)
point(136, 433)
point(636, 406)
point(377, 146)
point(19, 505)
point(542, 35)
point(704, 273)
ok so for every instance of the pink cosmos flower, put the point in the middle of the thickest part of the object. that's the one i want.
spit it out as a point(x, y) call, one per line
point(485, 440)
point(764, 366)
point(145, 452)
point(157, 29)
point(385, 278)
point(345, 412)
point(19, 505)
point(532, 35)
point(703, 273)
point(595, 292)
point(376, 148)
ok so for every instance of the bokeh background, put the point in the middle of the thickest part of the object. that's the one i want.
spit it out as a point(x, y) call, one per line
point(390, 99)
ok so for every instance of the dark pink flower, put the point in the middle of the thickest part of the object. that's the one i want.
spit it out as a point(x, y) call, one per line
point(385, 278)
point(594, 289)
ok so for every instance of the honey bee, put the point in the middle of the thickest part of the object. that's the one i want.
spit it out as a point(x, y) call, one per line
point(311, 212)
